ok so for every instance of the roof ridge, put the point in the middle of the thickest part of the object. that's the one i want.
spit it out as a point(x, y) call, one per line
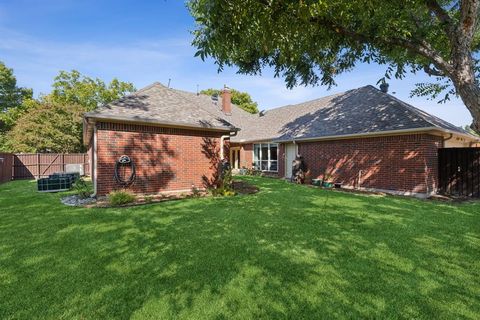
point(132, 94)
point(318, 99)
point(206, 95)
point(184, 94)
point(424, 115)
point(155, 84)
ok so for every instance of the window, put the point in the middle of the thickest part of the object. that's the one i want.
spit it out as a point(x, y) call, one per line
point(265, 156)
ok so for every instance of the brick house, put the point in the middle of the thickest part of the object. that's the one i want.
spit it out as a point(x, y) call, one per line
point(363, 138)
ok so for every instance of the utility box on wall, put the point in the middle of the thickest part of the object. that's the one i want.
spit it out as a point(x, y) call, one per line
point(77, 167)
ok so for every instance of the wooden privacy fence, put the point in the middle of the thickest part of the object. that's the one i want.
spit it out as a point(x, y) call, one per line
point(6, 165)
point(40, 165)
point(459, 171)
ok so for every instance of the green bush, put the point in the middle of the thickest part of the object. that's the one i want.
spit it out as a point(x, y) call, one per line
point(252, 172)
point(82, 189)
point(225, 185)
point(118, 198)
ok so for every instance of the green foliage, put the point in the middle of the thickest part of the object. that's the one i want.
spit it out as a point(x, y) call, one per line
point(48, 127)
point(8, 119)
point(74, 88)
point(53, 123)
point(469, 130)
point(432, 90)
point(119, 198)
point(11, 96)
point(82, 188)
point(311, 42)
point(10, 116)
point(252, 172)
point(225, 185)
point(241, 99)
point(14, 101)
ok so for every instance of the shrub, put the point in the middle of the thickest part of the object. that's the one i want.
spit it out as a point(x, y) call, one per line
point(225, 185)
point(252, 172)
point(82, 189)
point(118, 198)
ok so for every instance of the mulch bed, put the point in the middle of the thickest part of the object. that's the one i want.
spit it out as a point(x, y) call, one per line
point(239, 187)
point(242, 187)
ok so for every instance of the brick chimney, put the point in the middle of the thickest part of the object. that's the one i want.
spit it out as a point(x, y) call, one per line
point(226, 101)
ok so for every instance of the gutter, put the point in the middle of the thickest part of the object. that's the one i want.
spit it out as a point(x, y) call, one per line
point(89, 122)
point(148, 121)
point(446, 139)
point(222, 143)
point(380, 133)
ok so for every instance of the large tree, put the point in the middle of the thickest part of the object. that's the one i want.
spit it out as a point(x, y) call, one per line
point(11, 96)
point(48, 126)
point(241, 99)
point(74, 88)
point(312, 41)
point(53, 123)
point(14, 100)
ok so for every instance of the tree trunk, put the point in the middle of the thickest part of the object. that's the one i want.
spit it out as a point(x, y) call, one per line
point(466, 86)
point(463, 77)
point(470, 94)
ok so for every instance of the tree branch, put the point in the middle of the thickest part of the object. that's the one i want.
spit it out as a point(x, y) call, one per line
point(417, 46)
point(433, 71)
point(443, 16)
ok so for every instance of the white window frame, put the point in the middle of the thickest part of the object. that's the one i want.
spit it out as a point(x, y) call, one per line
point(269, 159)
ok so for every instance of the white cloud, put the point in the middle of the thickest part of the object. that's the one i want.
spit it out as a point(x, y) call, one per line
point(37, 61)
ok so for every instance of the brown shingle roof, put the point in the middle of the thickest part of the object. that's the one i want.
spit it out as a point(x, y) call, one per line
point(357, 111)
point(159, 104)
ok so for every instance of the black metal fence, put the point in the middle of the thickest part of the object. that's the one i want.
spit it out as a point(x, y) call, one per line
point(459, 171)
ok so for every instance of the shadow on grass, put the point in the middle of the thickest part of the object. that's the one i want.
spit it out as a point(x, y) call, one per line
point(286, 252)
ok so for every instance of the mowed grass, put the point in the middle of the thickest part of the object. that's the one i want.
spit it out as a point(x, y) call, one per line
point(287, 252)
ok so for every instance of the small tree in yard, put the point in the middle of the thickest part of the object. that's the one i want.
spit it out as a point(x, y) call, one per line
point(312, 41)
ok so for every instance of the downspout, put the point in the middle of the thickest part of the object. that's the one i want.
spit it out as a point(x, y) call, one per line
point(446, 139)
point(95, 160)
point(222, 143)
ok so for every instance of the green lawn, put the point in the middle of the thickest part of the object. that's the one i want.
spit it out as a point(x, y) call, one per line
point(287, 252)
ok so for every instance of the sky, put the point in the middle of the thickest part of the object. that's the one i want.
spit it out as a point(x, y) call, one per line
point(147, 41)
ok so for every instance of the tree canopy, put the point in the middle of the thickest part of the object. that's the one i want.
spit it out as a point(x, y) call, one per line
point(312, 41)
point(49, 126)
point(52, 123)
point(74, 88)
point(11, 95)
point(241, 99)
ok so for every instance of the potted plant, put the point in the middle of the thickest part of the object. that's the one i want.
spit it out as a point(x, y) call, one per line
point(327, 181)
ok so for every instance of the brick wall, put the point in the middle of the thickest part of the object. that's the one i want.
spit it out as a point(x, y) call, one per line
point(166, 159)
point(246, 154)
point(246, 158)
point(407, 163)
